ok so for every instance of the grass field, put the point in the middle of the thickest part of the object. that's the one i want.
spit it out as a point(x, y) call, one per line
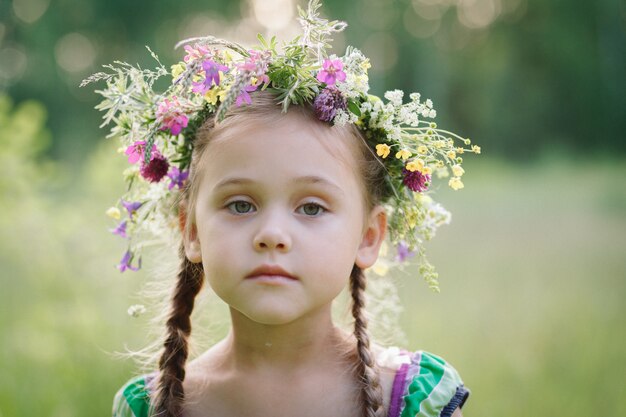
point(531, 312)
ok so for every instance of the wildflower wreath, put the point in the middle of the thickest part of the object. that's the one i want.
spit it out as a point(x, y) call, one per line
point(157, 129)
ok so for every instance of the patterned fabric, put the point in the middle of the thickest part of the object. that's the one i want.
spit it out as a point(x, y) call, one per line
point(133, 399)
point(425, 385)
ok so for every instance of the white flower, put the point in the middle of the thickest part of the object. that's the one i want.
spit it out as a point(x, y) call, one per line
point(395, 133)
point(395, 97)
point(341, 118)
point(429, 103)
point(415, 96)
point(136, 310)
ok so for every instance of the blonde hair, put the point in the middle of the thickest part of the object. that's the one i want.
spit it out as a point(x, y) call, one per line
point(169, 397)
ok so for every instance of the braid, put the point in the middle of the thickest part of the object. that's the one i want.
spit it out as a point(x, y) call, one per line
point(170, 394)
point(371, 392)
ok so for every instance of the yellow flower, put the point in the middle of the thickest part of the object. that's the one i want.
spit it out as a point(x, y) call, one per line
point(213, 94)
point(177, 69)
point(427, 170)
point(455, 183)
point(458, 171)
point(415, 165)
point(439, 164)
point(403, 154)
point(460, 151)
point(476, 149)
point(365, 65)
point(451, 154)
point(228, 57)
point(114, 213)
point(422, 149)
point(382, 150)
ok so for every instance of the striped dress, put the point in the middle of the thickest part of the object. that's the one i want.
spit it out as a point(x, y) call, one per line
point(425, 385)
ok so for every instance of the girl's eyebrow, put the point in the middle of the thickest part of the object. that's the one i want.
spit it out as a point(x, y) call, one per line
point(307, 179)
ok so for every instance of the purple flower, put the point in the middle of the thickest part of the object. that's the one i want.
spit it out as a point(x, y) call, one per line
point(211, 76)
point(120, 229)
point(131, 207)
point(136, 150)
point(125, 263)
point(244, 96)
point(156, 169)
point(403, 252)
point(327, 103)
point(331, 72)
point(415, 180)
point(178, 177)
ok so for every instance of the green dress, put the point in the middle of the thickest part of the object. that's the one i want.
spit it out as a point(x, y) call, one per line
point(425, 385)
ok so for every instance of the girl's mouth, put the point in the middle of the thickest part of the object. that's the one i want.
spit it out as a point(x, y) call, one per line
point(271, 273)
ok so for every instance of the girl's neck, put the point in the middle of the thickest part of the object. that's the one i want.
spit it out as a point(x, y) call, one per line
point(309, 341)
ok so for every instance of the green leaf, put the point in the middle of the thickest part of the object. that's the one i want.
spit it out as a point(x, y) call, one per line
point(354, 107)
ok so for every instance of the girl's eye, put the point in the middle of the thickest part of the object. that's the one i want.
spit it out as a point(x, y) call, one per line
point(240, 207)
point(312, 209)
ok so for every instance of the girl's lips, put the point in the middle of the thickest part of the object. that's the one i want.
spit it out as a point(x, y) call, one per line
point(270, 272)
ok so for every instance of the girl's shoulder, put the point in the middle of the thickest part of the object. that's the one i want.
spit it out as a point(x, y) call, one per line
point(133, 399)
point(425, 385)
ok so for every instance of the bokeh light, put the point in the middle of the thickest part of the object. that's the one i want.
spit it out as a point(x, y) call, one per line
point(29, 11)
point(273, 15)
point(13, 61)
point(74, 52)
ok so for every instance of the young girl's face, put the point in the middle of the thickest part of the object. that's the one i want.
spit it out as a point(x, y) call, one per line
point(280, 199)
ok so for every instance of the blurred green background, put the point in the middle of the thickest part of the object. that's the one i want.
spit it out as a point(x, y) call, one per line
point(532, 267)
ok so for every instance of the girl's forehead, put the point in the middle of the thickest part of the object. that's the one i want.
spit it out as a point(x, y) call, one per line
point(288, 145)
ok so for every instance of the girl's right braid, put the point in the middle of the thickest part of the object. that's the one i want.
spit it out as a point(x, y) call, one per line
point(371, 392)
point(170, 394)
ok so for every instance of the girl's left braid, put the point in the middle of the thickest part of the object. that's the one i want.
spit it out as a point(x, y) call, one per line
point(371, 391)
point(170, 394)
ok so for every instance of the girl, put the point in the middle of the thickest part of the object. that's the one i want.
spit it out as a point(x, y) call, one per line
point(280, 208)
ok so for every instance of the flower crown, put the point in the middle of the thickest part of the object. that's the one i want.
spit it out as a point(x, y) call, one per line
point(157, 129)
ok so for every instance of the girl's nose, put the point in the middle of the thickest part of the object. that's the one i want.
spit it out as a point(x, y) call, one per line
point(272, 236)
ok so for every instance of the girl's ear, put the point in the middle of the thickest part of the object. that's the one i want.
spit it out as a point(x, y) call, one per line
point(190, 237)
point(373, 238)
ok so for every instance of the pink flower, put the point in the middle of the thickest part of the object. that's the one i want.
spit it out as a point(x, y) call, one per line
point(211, 75)
point(136, 150)
point(332, 72)
point(256, 62)
point(171, 114)
point(195, 52)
